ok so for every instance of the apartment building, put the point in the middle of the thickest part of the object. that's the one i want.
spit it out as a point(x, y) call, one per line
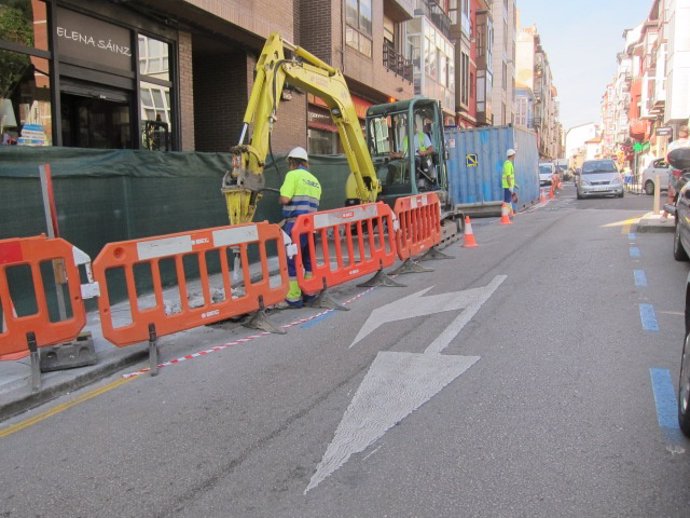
point(504, 15)
point(536, 97)
point(177, 75)
point(650, 90)
point(432, 52)
point(472, 34)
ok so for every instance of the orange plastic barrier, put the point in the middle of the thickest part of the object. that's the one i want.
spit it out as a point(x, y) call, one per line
point(420, 224)
point(345, 244)
point(26, 257)
point(171, 309)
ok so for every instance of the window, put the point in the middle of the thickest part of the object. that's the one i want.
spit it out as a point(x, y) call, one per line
point(155, 91)
point(465, 18)
point(153, 58)
point(465, 79)
point(453, 11)
point(443, 71)
point(358, 31)
point(25, 89)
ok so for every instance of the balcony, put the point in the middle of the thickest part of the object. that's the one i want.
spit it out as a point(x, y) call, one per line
point(434, 12)
point(396, 62)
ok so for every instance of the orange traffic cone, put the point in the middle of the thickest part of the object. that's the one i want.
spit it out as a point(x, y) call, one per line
point(542, 196)
point(469, 241)
point(552, 194)
point(505, 215)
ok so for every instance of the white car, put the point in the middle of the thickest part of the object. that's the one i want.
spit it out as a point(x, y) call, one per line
point(656, 167)
point(546, 171)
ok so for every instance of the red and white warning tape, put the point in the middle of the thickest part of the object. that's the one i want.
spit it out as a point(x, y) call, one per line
point(239, 341)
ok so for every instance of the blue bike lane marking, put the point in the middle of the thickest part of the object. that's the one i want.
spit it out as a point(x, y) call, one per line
point(640, 278)
point(666, 409)
point(648, 318)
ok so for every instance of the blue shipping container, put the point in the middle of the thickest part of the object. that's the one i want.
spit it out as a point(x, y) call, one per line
point(475, 166)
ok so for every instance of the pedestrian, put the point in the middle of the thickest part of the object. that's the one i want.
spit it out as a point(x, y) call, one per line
point(299, 194)
point(508, 177)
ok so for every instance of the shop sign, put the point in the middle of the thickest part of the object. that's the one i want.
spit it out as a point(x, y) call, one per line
point(90, 39)
point(664, 131)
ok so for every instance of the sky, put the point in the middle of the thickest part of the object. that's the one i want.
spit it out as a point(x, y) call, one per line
point(581, 39)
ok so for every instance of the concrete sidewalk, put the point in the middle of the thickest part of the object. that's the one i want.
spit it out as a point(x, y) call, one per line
point(652, 222)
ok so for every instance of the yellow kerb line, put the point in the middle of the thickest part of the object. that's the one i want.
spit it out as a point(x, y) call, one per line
point(5, 432)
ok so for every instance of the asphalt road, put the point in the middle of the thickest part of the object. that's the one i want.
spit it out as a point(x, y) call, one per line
point(516, 379)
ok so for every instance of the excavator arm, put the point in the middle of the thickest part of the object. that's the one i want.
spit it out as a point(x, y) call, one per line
point(243, 185)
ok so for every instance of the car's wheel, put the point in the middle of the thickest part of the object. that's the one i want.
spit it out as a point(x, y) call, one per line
point(579, 196)
point(649, 187)
point(679, 253)
point(621, 194)
point(684, 389)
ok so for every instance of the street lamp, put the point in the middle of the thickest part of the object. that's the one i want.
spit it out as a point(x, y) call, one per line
point(571, 129)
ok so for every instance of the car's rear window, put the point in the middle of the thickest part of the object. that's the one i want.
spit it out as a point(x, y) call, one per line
point(599, 166)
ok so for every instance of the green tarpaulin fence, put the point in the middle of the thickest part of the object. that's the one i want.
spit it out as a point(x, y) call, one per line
point(113, 195)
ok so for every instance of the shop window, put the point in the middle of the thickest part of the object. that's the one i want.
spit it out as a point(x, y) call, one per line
point(155, 91)
point(322, 142)
point(24, 22)
point(25, 104)
point(154, 58)
point(155, 116)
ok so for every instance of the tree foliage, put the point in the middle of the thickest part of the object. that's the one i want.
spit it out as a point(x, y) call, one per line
point(16, 27)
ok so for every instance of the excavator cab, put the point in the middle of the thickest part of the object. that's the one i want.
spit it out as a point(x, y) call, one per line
point(405, 140)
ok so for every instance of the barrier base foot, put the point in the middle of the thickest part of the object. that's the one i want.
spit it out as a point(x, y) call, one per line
point(410, 266)
point(35, 371)
point(154, 354)
point(260, 321)
point(325, 301)
point(381, 279)
point(433, 253)
point(69, 355)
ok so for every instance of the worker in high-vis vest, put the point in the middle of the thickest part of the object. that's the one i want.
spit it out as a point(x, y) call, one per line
point(420, 140)
point(299, 194)
point(508, 177)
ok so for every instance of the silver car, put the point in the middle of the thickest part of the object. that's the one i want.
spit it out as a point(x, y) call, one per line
point(599, 178)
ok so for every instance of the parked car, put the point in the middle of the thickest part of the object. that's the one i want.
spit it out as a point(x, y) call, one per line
point(656, 167)
point(546, 171)
point(681, 244)
point(599, 178)
point(684, 378)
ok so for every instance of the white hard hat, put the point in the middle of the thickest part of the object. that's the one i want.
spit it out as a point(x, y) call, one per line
point(299, 153)
point(510, 152)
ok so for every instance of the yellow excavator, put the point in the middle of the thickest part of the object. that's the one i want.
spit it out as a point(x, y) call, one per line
point(243, 185)
point(384, 165)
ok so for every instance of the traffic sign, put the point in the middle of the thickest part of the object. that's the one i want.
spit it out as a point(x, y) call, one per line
point(472, 159)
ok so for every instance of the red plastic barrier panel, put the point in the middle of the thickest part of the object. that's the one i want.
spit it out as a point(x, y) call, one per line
point(36, 274)
point(420, 224)
point(345, 244)
point(189, 279)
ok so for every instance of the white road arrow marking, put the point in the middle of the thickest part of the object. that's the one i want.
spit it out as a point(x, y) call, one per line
point(398, 383)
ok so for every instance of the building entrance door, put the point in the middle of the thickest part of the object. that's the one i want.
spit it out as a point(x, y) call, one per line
point(94, 117)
